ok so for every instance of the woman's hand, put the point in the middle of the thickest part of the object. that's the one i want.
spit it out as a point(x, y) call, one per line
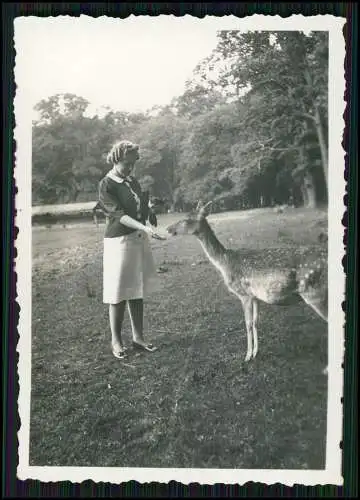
point(149, 230)
point(130, 222)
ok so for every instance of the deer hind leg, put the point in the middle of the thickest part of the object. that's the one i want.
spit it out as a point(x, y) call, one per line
point(318, 302)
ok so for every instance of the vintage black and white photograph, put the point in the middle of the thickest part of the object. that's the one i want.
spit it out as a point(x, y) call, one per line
point(180, 195)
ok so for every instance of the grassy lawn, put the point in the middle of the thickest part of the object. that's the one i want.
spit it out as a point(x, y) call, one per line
point(194, 402)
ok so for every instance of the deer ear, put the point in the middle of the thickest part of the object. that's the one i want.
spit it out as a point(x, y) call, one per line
point(198, 206)
point(205, 209)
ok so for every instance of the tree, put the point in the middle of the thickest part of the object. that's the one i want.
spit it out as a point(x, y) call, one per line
point(197, 100)
point(286, 106)
point(206, 153)
point(147, 182)
point(55, 107)
point(249, 129)
point(160, 138)
point(67, 159)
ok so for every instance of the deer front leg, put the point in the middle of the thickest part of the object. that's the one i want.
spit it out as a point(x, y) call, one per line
point(248, 312)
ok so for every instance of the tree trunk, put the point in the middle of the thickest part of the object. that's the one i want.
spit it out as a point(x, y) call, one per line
point(308, 191)
point(304, 195)
point(170, 192)
point(75, 195)
point(320, 132)
point(322, 144)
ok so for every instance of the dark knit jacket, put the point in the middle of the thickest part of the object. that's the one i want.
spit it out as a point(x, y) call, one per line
point(116, 200)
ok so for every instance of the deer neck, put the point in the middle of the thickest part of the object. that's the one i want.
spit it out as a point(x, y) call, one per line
point(212, 247)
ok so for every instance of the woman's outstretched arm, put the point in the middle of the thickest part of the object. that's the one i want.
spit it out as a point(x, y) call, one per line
point(134, 224)
point(112, 208)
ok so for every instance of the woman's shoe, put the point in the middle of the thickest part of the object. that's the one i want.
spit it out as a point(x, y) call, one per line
point(146, 347)
point(119, 353)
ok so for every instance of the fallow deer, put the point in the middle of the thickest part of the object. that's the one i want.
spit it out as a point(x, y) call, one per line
point(273, 276)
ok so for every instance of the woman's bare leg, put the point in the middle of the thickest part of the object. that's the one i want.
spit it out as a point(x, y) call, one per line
point(136, 312)
point(116, 316)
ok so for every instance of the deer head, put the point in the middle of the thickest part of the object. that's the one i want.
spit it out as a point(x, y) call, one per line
point(191, 224)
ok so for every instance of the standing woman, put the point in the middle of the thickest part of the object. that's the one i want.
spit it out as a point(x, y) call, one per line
point(128, 265)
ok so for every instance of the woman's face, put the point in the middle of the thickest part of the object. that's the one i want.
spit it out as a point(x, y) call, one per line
point(125, 167)
point(131, 156)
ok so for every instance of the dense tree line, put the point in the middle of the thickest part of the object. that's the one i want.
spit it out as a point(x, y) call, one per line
point(249, 130)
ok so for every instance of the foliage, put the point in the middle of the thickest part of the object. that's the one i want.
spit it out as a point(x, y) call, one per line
point(206, 153)
point(250, 125)
point(197, 100)
point(160, 140)
point(69, 148)
point(287, 102)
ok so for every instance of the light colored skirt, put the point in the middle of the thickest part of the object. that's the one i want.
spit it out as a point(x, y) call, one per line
point(128, 268)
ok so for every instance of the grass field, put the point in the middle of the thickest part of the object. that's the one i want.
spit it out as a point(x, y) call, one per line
point(194, 402)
